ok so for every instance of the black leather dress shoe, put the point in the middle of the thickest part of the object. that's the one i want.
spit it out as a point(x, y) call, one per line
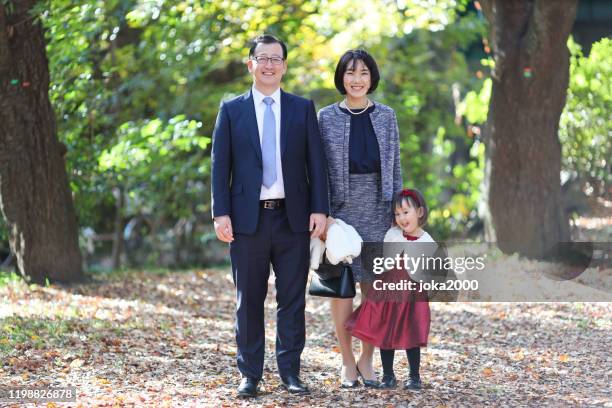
point(413, 384)
point(388, 381)
point(293, 384)
point(248, 387)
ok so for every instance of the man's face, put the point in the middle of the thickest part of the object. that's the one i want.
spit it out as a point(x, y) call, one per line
point(267, 73)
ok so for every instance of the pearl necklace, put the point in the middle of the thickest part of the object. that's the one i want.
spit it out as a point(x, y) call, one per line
point(356, 113)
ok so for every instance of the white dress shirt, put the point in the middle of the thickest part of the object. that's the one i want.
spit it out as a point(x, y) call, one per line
point(276, 190)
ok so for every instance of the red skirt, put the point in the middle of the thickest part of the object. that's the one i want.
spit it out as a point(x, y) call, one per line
point(393, 319)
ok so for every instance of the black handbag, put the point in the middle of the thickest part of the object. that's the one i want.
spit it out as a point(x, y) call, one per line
point(335, 281)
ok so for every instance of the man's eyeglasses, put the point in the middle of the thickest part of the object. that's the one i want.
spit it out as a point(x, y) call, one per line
point(263, 60)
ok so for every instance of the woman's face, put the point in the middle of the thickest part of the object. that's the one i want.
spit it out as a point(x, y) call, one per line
point(407, 217)
point(357, 79)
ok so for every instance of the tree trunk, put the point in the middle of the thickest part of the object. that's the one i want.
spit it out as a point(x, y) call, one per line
point(530, 81)
point(35, 197)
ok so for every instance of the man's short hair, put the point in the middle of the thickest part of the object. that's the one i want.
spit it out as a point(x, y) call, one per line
point(349, 59)
point(267, 39)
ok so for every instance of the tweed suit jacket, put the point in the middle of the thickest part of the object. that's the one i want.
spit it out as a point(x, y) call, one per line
point(335, 127)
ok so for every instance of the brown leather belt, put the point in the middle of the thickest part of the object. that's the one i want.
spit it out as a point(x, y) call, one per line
point(272, 204)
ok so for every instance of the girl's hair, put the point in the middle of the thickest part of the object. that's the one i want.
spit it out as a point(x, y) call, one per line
point(413, 198)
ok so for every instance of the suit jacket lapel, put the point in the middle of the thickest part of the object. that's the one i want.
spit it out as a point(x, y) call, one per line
point(286, 111)
point(251, 120)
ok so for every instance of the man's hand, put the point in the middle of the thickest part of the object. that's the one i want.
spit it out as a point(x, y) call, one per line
point(317, 224)
point(223, 228)
point(329, 221)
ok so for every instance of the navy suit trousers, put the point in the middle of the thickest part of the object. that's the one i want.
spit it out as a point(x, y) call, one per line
point(273, 243)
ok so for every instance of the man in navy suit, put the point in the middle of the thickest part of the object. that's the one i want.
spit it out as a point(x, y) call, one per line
point(269, 196)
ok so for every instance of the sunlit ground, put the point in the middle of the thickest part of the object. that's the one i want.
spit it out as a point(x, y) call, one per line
point(138, 339)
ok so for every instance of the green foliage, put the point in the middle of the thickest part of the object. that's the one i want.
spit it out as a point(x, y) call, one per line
point(438, 156)
point(9, 278)
point(123, 70)
point(137, 84)
point(158, 161)
point(586, 125)
point(476, 104)
point(84, 92)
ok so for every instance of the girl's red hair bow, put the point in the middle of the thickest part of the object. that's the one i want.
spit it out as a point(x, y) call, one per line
point(409, 193)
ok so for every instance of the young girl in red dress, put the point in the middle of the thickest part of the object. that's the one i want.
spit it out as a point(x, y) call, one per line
point(398, 319)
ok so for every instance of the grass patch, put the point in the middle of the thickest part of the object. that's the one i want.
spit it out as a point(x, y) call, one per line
point(31, 333)
point(38, 333)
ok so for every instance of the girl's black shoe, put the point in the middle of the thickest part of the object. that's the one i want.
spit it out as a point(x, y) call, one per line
point(413, 384)
point(388, 381)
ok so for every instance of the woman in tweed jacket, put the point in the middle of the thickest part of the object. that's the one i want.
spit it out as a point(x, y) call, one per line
point(361, 143)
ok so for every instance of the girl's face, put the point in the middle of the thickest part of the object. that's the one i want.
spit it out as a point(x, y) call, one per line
point(357, 79)
point(407, 217)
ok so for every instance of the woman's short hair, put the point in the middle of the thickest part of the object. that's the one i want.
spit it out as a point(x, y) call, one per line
point(348, 60)
point(414, 198)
